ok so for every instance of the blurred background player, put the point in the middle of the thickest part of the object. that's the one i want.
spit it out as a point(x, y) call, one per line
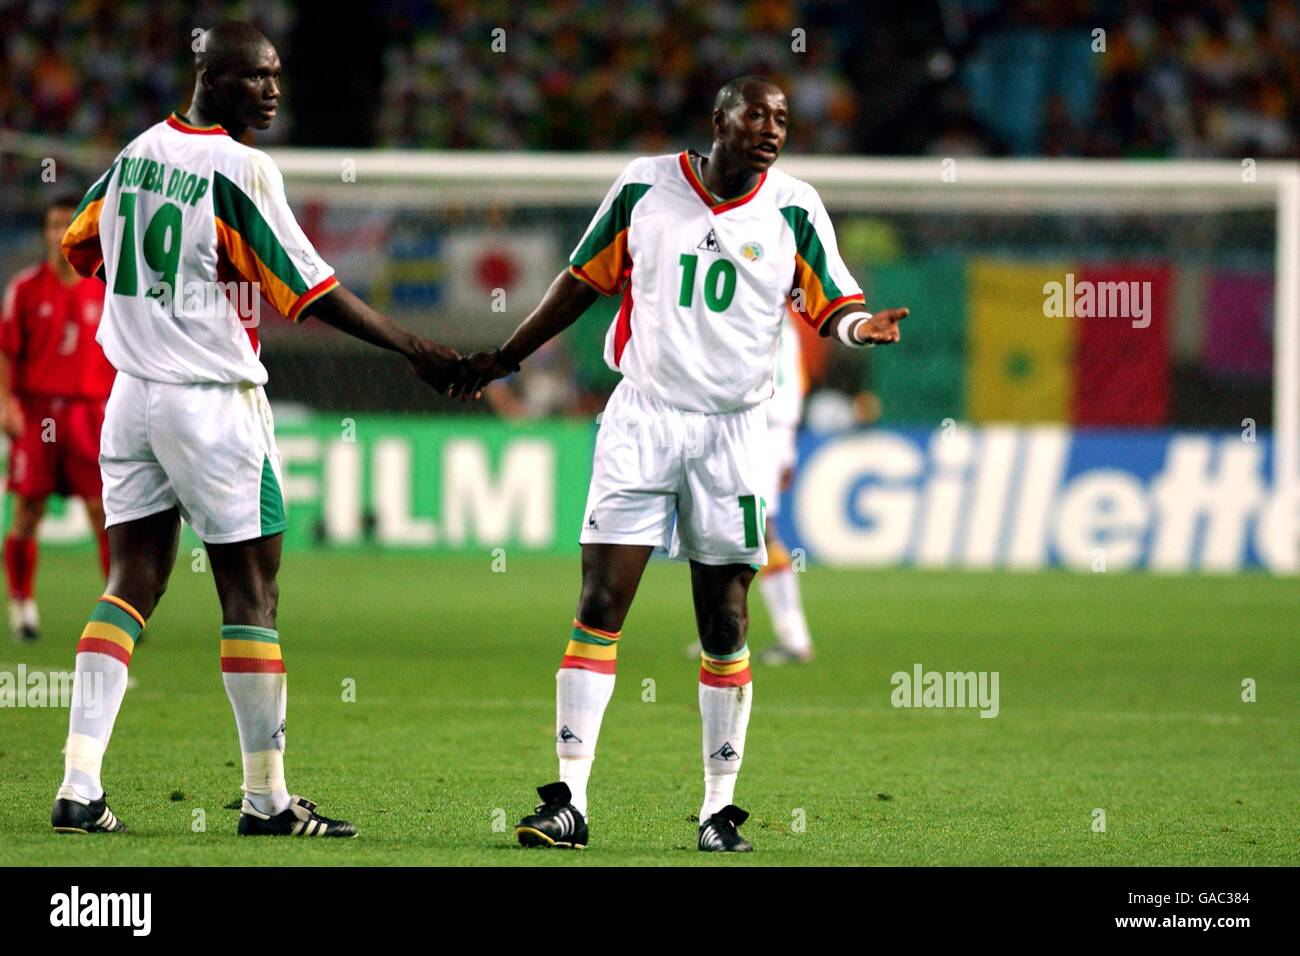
point(54, 381)
point(778, 582)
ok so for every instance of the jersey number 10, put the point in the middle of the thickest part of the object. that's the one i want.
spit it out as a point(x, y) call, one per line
point(161, 247)
point(717, 299)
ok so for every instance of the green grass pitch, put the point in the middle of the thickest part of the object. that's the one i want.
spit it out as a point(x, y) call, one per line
point(1119, 693)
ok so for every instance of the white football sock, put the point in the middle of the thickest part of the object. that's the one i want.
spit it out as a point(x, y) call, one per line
point(581, 697)
point(98, 686)
point(719, 791)
point(576, 771)
point(726, 695)
point(264, 784)
point(583, 686)
point(780, 590)
point(253, 674)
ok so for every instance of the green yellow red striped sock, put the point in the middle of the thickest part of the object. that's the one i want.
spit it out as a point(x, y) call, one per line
point(112, 629)
point(246, 649)
point(591, 649)
point(725, 670)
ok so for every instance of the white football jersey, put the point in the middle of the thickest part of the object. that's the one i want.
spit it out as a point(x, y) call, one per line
point(705, 284)
point(785, 407)
point(189, 226)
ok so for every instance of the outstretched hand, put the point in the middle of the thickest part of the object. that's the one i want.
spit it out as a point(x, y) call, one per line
point(881, 328)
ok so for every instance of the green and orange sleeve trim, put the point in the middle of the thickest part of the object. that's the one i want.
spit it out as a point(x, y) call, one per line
point(80, 244)
point(319, 290)
point(246, 239)
point(812, 271)
point(602, 260)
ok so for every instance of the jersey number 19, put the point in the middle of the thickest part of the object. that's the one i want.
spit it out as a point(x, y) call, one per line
point(161, 247)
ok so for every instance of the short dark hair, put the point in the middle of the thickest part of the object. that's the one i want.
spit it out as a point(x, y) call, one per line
point(64, 200)
point(230, 45)
point(733, 91)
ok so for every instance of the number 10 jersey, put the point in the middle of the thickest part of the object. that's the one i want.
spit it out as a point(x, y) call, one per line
point(705, 283)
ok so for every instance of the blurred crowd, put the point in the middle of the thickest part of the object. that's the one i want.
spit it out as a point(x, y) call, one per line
point(100, 72)
point(1031, 78)
point(599, 74)
point(1187, 80)
point(1188, 83)
point(1167, 77)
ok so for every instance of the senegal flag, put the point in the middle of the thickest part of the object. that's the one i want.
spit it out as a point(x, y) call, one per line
point(1005, 340)
point(1019, 359)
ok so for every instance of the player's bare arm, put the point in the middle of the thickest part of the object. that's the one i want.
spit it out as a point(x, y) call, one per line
point(435, 364)
point(564, 303)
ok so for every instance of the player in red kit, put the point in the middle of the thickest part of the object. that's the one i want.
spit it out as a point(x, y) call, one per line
point(54, 381)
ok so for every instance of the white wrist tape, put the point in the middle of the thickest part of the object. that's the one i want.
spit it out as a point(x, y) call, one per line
point(847, 325)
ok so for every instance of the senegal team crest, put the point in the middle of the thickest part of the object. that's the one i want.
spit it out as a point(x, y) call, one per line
point(751, 251)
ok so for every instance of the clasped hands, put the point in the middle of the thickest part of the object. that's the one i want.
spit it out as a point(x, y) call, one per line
point(456, 375)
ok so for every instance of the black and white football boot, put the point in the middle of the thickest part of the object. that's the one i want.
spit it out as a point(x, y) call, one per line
point(300, 819)
point(74, 814)
point(718, 833)
point(555, 823)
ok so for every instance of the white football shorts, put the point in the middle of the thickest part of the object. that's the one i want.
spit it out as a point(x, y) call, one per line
point(209, 448)
point(690, 482)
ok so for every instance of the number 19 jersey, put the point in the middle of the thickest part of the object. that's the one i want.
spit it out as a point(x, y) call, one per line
point(187, 228)
point(705, 283)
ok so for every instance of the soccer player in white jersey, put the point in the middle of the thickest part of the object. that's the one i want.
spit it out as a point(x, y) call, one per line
point(705, 251)
point(183, 226)
point(778, 582)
